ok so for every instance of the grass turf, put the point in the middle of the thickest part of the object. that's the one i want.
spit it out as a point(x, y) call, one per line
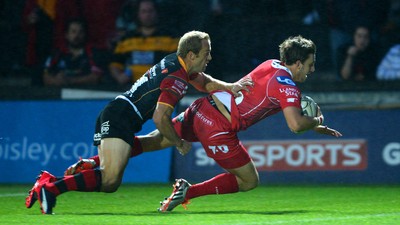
point(137, 204)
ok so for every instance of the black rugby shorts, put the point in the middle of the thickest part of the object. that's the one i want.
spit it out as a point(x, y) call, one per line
point(117, 120)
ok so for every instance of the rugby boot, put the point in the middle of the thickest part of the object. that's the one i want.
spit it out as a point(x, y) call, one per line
point(177, 197)
point(42, 178)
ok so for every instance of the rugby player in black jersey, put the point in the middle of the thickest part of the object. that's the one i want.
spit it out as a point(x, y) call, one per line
point(153, 96)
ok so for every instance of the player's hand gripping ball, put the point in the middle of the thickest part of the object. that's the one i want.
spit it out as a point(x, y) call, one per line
point(309, 106)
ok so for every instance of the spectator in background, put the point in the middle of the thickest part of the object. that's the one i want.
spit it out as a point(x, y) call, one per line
point(38, 22)
point(391, 30)
point(125, 21)
point(389, 68)
point(358, 60)
point(99, 16)
point(74, 64)
point(343, 16)
point(138, 50)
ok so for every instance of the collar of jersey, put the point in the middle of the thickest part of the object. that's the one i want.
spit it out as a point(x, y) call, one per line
point(182, 63)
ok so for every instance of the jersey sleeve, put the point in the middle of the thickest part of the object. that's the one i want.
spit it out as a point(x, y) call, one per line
point(172, 90)
point(285, 91)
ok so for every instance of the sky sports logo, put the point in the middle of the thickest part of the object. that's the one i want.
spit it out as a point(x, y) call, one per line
point(308, 155)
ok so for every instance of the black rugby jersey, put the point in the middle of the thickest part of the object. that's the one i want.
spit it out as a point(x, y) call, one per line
point(166, 82)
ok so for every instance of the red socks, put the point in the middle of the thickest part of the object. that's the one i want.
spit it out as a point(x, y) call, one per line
point(96, 159)
point(86, 181)
point(137, 147)
point(221, 184)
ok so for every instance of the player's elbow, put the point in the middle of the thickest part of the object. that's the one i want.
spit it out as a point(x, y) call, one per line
point(296, 127)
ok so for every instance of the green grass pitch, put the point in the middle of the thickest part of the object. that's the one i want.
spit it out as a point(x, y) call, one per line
point(137, 204)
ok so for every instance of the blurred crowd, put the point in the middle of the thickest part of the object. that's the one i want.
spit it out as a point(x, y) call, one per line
point(91, 42)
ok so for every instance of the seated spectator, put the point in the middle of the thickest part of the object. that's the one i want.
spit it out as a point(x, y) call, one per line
point(125, 22)
point(74, 64)
point(99, 16)
point(136, 52)
point(389, 68)
point(358, 60)
point(38, 24)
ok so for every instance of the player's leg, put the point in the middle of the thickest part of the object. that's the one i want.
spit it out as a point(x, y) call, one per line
point(246, 176)
point(242, 178)
point(94, 161)
point(221, 144)
point(114, 155)
point(116, 120)
point(153, 141)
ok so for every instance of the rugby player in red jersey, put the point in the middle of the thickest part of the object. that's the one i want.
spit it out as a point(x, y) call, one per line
point(215, 120)
point(153, 96)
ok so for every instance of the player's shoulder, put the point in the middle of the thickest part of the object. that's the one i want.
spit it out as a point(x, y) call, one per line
point(170, 67)
point(170, 63)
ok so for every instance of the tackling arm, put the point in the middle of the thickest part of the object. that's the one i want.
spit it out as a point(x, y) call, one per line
point(162, 119)
point(206, 83)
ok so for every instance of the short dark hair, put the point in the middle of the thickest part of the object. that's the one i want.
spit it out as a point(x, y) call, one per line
point(296, 48)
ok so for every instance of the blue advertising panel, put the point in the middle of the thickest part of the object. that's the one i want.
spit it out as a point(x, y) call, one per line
point(368, 152)
point(51, 135)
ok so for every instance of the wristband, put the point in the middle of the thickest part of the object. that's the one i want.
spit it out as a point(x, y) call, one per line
point(320, 119)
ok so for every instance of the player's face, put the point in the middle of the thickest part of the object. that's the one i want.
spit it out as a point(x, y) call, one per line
point(305, 69)
point(201, 60)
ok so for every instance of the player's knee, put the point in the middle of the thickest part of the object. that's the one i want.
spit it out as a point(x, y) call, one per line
point(249, 184)
point(110, 181)
point(110, 185)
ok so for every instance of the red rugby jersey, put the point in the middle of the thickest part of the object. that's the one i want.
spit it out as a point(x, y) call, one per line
point(273, 90)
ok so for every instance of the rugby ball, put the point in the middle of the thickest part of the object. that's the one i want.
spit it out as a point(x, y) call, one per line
point(309, 106)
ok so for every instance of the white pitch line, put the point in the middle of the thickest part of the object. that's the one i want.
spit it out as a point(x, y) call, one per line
point(12, 195)
point(332, 218)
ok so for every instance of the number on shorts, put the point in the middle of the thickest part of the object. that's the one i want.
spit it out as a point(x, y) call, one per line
point(219, 148)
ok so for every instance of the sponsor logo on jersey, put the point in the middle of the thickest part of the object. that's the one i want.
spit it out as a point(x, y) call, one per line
point(289, 91)
point(204, 119)
point(180, 87)
point(285, 80)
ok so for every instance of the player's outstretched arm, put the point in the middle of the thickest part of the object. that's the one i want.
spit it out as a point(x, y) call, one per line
point(162, 120)
point(206, 83)
point(299, 123)
point(327, 131)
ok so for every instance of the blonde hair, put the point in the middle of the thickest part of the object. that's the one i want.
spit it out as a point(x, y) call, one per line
point(191, 41)
point(296, 48)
